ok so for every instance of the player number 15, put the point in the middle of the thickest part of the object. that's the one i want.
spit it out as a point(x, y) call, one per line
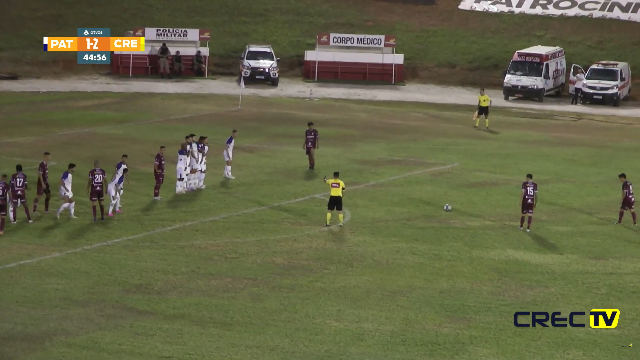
point(89, 44)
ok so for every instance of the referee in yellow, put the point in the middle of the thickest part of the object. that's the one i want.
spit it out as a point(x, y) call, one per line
point(335, 200)
point(484, 102)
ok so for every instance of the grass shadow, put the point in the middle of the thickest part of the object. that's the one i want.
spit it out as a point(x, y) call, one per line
point(579, 211)
point(310, 175)
point(151, 205)
point(182, 200)
point(225, 183)
point(337, 234)
point(493, 132)
point(543, 242)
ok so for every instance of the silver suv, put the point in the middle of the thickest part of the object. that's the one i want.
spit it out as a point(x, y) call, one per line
point(259, 63)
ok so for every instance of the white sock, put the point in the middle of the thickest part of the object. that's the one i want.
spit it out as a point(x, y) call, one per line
point(111, 206)
point(178, 186)
point(200, 179)
point(229, 170)
point(118, 203)
point(64, 206)
point(72, 208)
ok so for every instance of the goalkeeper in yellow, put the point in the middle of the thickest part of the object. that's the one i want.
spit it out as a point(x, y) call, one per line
point(335, 199)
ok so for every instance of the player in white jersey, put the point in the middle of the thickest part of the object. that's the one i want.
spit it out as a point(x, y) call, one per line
point(228, 154)
point(117, 174)
point(194, 165)
point(114, 190)
point(204, 149)
point(66, 192)
point(182, 170)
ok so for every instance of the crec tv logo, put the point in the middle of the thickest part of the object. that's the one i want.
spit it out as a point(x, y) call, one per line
point(598, 319)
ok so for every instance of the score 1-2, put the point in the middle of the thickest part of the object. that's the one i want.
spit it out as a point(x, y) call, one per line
point(94, 44)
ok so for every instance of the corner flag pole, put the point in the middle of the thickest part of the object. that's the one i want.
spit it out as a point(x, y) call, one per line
point(241, 87)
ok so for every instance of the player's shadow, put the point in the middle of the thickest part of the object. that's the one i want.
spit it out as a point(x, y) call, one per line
point(225, 183)
point(151, 205)
point(182, 200)
point(310, 175)
point(337, 234)
point(543, 242)
point(577, 210)
point(55, 224)
point(83, 230)
point(493, 132)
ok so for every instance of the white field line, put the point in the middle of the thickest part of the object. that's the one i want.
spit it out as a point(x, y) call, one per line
point(407, 159)
point(347, 218)
point(114, 126)
point(30, 160)
point(219, 217)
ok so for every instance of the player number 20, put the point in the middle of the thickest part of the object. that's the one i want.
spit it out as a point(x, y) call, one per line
point(530, 191)
point(97, 179)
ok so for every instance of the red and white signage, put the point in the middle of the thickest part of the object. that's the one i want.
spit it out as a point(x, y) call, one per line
point(354, 40)
point(172, 34)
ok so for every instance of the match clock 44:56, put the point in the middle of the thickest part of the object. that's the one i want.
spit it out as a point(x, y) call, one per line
point(94, 57)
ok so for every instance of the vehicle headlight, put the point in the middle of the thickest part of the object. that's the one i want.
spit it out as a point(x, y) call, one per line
point(273, 69)
point(533, 86)
point(506, 84)
point(246, 67)
point(614, 87)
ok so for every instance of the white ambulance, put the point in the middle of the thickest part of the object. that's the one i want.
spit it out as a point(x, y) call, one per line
point(607, 82)
point(535, 72)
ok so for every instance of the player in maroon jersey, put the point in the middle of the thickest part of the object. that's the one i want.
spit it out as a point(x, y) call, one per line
point(43, 184)
point(158, 172)
point(528, 201)
point(18, 193)
point(96, 188)
point(311, 143)
point(628, 201)
point(4, 198)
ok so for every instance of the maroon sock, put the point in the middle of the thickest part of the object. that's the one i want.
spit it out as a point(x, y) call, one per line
point(93, 208)
point(102, 211)
point(2, 224)
point(26, 211)
point(521, 220)
point(156, 191)
point(15, 207)
point(35, 204)
point(529, 221)
point(620, 216)
point(46, 204)
point(633, 215)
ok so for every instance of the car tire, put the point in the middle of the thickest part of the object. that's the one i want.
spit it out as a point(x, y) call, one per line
point(617, 101)
point(275, 82)
point(541, 96)
point(559, 92)
point(506, 98)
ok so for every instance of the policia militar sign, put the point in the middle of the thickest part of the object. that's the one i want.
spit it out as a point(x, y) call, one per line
point(620, 10)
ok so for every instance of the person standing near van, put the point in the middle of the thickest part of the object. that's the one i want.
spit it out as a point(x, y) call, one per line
point(577, 93)
point(163, 58)
point(484, 102)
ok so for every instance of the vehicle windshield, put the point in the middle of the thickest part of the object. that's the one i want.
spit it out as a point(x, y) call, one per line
point(602, 74)
point(525, 68)
point(260, 55)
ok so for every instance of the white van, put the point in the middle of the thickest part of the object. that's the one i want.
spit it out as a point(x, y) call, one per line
point(535, 72)
point(608, 82)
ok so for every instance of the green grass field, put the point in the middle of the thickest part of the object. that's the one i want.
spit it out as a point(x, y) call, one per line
point(441, 43)
point(244, 270)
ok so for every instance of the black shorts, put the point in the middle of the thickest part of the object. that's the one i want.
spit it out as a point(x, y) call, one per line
point(483, 110)
point(335, 203)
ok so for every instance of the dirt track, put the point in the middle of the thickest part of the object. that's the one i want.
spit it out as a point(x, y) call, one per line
point(296, 88)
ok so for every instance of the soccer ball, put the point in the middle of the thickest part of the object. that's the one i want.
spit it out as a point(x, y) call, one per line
point(447, 207)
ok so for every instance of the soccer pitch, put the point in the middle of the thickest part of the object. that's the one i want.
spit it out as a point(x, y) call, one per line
point(244, 269)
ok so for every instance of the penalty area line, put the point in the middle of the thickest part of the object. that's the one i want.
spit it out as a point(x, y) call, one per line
point(214, 218)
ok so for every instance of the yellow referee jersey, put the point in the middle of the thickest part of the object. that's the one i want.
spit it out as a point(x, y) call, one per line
point(484, 100)
point(336, 186)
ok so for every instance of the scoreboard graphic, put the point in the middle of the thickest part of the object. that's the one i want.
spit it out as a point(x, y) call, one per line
point(93, 45)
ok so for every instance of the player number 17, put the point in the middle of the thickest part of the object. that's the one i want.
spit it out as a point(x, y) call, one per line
point(89, 44)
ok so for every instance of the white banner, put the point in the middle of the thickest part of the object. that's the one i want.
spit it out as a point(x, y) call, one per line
point(171, 34)
point(619, 10)
point(356, 40)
